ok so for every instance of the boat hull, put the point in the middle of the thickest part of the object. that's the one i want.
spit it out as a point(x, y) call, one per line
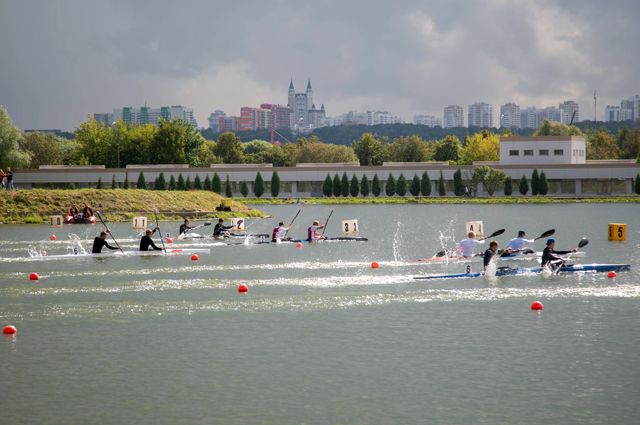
point(509, 271)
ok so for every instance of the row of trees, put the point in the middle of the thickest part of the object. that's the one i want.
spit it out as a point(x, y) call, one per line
point(176, 142)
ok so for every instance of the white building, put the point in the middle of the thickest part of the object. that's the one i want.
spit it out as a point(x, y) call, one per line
point(617, 114)
point(632, 103)
point(480, 114)
point(567, 110)
point(382, 117)
point(453, 116)
point(542, 150)
point(529, 118)
point(428, 120)
point(510, 116)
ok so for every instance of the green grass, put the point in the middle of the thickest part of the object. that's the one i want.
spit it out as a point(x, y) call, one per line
point(36, 205)
point(446, 200)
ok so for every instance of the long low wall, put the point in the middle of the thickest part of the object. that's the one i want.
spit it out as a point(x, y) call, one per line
point(597, 177)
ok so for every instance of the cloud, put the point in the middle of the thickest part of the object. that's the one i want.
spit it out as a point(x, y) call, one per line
point(406, 57)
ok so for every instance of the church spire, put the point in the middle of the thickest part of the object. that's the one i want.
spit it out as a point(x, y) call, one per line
point(291, 85)
point(309, 85)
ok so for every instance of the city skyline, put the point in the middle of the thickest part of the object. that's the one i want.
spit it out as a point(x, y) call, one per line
point(90, 56)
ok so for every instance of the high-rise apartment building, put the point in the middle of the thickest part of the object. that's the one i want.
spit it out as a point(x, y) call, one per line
point(510, 116)
point(480, 114)
point(147, 115)
point(567, 111)
point(428, 120)
point(529, 118)
point(550, 113)
point(632, 103)
point(617, 114)
point(227, 123)
point(213, 120)
point(280, 115)
point(104, 119)
point(381, 117)
point(453, 116)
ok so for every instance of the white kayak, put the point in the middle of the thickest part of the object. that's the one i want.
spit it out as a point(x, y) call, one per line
point(117, 253)
point(534, 256)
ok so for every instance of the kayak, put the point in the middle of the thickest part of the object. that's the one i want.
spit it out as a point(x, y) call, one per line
point(296, 241)
point(190, 235)
point(479, 257)
point(115, 253)
point(79, 220)
point(509, 271)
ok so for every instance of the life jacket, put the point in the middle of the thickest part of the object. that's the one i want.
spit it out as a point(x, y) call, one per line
point(309, 234)
point(275, 233)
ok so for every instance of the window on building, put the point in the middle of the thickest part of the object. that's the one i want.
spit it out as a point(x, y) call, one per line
point(543, 152)
point(528, 152)
point(514, 153)
point(558, 152)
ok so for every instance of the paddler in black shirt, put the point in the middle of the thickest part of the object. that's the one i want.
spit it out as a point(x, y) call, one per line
point(147, 242)
point(185, 227)
point(220, 230)
point(489, 253)
point(551, 256)
point(99, 242)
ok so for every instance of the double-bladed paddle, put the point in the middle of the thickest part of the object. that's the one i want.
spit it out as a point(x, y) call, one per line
point(164, 248)
point(493, 235)
point(291, 224)
point(108, 231)
point(182, 235)
point(325, 224)
point(583, 242)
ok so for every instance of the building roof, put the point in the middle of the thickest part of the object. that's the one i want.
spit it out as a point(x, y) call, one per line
point(540, 138)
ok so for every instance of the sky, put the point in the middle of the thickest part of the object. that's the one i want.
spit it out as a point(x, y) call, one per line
point(63, 60)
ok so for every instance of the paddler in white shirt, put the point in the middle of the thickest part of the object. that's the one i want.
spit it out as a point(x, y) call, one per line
point(468, 246)
point(519, 243)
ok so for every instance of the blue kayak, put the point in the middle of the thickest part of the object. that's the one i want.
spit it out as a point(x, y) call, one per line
point(509, 271)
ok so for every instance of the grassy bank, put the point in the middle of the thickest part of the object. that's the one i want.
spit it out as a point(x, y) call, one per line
point(35, 206)
point(447, 200)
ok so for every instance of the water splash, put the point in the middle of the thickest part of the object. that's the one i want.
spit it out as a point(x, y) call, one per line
point(396, 243)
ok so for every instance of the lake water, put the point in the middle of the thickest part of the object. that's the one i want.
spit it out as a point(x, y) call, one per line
point(321, 337)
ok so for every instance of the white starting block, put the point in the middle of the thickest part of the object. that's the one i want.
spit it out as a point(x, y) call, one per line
point(350, 227)
point(474, 226)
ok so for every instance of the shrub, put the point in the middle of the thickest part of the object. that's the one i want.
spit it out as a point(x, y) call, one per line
point(523, 187)
point(442, 188)
point(375, 185)
point(415, 185)
point(258, 186)
point(390, 186)
point(327, 186)
point(354, 187)
point(401, 185)
point(425, 184)
point(364, 185)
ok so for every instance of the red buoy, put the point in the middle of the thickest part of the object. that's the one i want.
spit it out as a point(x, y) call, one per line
point(612, 274)
point(34, 276)
point(299, 245)
point(169, 240)
point(242, 288)
point(194, 257)
point(9, 330)
point(375, 265)
point(53, 237)
point(536, 306)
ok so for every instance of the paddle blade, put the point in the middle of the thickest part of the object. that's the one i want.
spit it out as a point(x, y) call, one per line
point(496, 233)
point(583, 242)
point(207, 223)
point(440, 254)
point(547, 233)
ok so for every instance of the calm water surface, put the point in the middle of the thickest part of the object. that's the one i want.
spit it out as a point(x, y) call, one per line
point(321, 338)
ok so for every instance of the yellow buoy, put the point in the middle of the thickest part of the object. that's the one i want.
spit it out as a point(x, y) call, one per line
point(617, 232)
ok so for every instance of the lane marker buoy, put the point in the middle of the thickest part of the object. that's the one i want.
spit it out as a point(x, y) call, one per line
point(9, 330)
point(299, 245)
point(375, 265)
point(536, 306)
point(34, 276)
point(612, 274)
point(53, 237)
point(194, 257)
point(243, 289)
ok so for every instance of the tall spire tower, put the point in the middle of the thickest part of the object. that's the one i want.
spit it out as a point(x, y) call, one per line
point(309, 96)
point(292, 95)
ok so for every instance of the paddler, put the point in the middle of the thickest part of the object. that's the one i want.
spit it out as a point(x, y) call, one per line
point(468, 246)
point(87, 212)
point(489, 253)
point(146, 241)
point(519, 243)
point(550, 256)
point(220, 230)
point(279, 232)
point(73, 211)
point(184, 227)
point(99, 242)
point(312, 231)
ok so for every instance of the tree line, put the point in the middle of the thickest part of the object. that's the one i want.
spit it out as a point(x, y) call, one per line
point(177, 142)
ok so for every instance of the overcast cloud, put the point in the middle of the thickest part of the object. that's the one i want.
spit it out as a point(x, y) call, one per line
point(63, 60)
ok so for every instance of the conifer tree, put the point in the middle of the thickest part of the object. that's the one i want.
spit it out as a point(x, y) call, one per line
point(181, 184)
point(535, 182)
point(207, 183)
point(390, 186)
point(187, 184)
point(458, 186)
point(401, 185)
point(425, 185)
point(638, 184)
point(442, 187)
point(244, 189)
point(227, 188)
point(275, 184)
point(141, 183)
point(375, 185)
point(216, 184)
point(415, 185)
point(172, 183)
point(364, 186)
point(508, 186)
point(327, 186)
point(197, 184)
point(258, 186)
point(543, 184)
point(125, 185)
point(337, 187)
point(344, 185)
point(113, 182)
point(161, 185)
point(354, 187)
point(99, 185)
point(523, 187)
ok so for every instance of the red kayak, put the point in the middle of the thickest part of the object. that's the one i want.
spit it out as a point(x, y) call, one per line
point(79, 219)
